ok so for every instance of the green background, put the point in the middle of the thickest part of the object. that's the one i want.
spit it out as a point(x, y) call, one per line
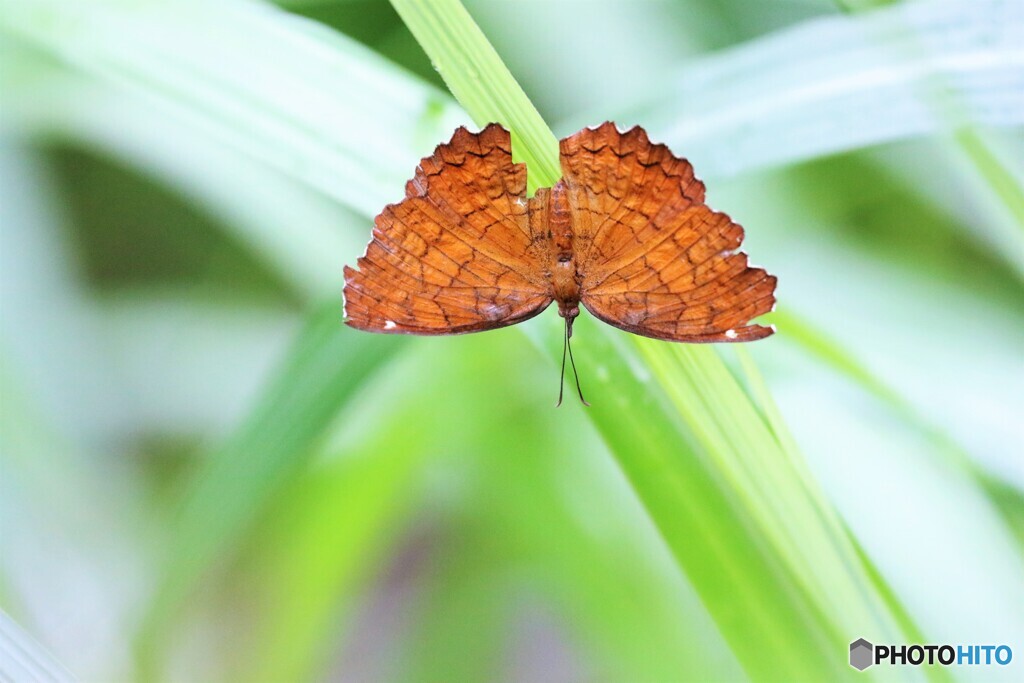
point(205, 476)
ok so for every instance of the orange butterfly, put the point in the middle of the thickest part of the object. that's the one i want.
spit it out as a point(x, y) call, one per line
point(625, 232)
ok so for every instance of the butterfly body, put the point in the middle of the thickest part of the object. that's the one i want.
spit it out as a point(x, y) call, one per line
point(565, 276)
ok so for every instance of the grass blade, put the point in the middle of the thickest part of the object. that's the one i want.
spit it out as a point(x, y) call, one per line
point(844, 82)
point(788, 566)
point(327, 365)
point(359, 501)
point(23, 659)
point(293, 118)
point(468, 64)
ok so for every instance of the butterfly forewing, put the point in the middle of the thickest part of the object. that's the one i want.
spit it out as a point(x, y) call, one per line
point(457, 254)
point(654, 259)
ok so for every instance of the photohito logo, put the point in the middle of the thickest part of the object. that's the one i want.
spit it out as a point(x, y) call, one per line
point(863, 654)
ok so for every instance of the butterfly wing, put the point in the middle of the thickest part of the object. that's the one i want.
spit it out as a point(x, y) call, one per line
point(656, 261)
point(457, 254)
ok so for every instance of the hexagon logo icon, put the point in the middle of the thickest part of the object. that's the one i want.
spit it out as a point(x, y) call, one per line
point(861, 654)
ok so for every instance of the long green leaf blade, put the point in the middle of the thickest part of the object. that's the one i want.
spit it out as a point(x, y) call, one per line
point(803, 593)
point(844, 82)
point(468, 63)
point(23, 659)
point(288, 118)
point(326, 367)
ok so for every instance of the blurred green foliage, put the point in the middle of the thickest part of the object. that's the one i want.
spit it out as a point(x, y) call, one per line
point(205, 476)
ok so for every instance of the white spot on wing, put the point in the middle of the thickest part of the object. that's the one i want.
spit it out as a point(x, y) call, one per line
point(633, 317)
point(731, 334)
point(389, 325)
point(494, 311)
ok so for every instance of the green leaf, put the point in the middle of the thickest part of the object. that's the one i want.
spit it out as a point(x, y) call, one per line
point(555, 529)
point(842, 82)
point(770, 560)
point(23, 659)
point(832, 353)
point(469, 65)
point(327, 365)
point(295, 117)
point(297, 231)
point(848, 82)
point(327, 537)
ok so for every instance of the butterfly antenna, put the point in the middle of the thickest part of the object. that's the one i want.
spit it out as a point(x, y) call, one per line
point(561, 381)
point(568, 345)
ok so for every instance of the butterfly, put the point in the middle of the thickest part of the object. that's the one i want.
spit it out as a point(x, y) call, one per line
point(625, 233)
